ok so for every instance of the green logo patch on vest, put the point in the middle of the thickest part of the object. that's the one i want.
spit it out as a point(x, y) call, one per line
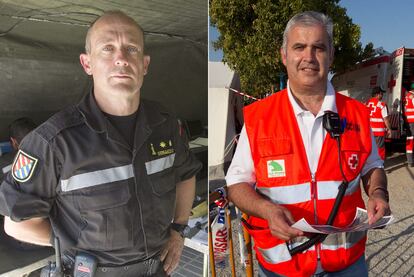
point(276, 168)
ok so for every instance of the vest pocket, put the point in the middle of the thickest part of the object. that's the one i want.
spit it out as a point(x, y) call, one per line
point(275, 155)
point(106, 220)
point(268, 147)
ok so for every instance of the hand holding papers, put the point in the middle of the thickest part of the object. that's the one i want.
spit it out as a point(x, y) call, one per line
point(360, 223)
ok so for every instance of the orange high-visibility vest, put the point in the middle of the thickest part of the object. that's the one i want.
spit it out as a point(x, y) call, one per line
point(409, 109)
point(283, 175)
point(377, 122)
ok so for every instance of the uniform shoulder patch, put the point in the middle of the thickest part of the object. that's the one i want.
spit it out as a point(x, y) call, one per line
point(23, 166)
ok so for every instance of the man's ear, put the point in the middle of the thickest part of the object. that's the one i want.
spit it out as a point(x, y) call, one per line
point(283, 56)
point(14, 143)
point(146, 63)
point(86, 63)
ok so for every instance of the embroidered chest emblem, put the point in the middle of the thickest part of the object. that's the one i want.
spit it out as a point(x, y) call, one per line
point(23, 166)
point(161, 148)
point(276, 168)
point(353, 161)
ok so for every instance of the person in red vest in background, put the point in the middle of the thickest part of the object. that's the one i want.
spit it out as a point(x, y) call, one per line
point(379, 120)
point(409, 114)
point(297, 149)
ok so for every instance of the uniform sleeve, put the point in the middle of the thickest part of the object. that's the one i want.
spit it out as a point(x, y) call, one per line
point(384, 111)
point(185, 163)
point(27, 193)
point(241, 169)
point(374, 160)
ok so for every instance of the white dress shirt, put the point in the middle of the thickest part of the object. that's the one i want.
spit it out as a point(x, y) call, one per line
point(384, 111)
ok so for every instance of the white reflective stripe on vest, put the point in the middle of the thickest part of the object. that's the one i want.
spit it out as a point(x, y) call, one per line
point(301, 193)
point(410, 116)
point(329, 189)
point(409, 110)
point(378, 129)
point(376, 119)
point(159, 164)
point(280, 253)
point(342, 240)
point(6, 169)
point(288, 194)
point(98, 177)
point(277, 254)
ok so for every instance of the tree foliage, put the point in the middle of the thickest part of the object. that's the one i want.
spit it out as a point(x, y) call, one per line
point(251, 34)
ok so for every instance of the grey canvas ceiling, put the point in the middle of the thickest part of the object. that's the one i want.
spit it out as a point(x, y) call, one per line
point(40, 43)
point(63, 22)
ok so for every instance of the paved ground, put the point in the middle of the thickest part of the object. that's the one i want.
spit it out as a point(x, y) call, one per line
point(390, 251)
point(191, 264)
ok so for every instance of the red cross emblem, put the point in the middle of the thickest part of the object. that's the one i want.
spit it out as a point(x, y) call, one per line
point(353, 161)
point(372, 107)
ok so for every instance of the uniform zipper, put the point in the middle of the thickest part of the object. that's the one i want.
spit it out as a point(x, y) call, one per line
point(139, 205)
point(314, 190)
point(314, 196)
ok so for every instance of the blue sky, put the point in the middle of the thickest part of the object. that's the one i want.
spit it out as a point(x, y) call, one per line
point(385, 23)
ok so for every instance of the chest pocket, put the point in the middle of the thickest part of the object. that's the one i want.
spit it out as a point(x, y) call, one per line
point(268, 147)
point(106, 219)
point(161, 176)
point(274, 157)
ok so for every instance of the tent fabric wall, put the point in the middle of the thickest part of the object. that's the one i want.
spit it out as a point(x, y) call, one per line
point(224, 109)
point(177, 78)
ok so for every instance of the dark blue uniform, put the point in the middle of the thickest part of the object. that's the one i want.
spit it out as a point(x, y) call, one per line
point(6, 161)
point(102, 196)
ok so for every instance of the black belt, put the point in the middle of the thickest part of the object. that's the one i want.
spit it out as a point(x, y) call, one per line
point(150, 267)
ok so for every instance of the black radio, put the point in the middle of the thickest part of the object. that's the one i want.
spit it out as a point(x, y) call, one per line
point(332, 124)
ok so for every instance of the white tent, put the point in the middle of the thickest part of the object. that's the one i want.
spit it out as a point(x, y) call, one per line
point(224, 117)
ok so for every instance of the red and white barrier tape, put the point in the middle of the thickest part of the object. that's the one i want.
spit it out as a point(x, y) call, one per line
point(242, 93)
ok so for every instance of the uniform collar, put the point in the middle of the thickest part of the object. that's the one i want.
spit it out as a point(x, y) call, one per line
point(328, 104)
point(93, 115)
point(148, 114)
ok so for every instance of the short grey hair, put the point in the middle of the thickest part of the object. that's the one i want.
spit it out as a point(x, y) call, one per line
point(310, 18)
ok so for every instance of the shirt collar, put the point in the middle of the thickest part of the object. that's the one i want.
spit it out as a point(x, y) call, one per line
point(329, 101)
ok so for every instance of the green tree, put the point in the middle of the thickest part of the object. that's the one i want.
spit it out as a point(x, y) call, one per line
point(251, 34)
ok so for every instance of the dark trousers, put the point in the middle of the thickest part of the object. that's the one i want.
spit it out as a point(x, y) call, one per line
point(380, 141)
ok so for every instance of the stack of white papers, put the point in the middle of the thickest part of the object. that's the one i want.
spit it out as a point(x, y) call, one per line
point(360, 223)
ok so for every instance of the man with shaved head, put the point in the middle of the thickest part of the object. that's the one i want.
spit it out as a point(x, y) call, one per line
point(110, 177)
